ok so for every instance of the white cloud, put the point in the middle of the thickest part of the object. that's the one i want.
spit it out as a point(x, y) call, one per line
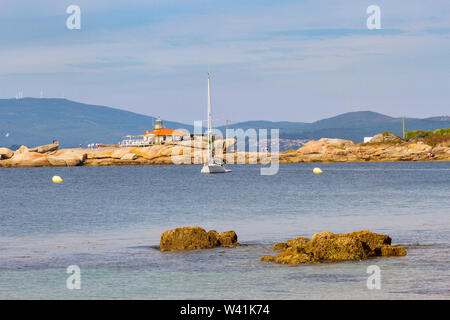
point(278, 45)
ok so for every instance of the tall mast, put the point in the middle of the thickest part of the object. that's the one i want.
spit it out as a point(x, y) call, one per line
point(403, 118)
point(209, 121)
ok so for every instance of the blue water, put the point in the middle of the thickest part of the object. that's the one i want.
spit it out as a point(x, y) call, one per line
point(108, 220)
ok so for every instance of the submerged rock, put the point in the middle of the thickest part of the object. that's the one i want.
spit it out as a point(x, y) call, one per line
point(327, 246)
point(192, 238)
point(292, 255)
point(391, 251)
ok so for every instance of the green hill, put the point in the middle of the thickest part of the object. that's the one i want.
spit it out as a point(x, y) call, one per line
point(352, 125)
point(357, 125)
point(32, 122)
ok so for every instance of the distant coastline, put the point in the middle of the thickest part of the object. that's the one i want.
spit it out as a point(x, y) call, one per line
point(323, 150)
point(34, 121)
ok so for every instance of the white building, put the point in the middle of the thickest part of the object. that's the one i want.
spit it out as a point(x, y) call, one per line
point(159, 135)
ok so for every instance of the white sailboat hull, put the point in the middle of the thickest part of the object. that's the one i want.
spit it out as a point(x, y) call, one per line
point(214, 168)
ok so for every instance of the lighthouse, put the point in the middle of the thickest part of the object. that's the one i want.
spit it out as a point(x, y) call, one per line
point(158, 124)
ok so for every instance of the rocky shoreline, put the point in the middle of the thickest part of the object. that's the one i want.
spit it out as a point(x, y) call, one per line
point(339, 150)
point(381, 148)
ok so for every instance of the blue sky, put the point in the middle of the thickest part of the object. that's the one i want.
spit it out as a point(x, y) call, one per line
point(272, 60)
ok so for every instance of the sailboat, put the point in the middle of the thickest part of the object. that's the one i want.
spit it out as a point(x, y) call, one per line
point(211, 165)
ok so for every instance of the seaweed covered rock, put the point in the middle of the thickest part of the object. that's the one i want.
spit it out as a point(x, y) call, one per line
point(280, 246)
point(297, 242)
point(391, 251)
point(327, 246)
point(228, 239)
point(292, 255)
point(192, 238)
point(370, 241)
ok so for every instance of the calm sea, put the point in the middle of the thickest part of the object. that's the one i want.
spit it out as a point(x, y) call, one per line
point(108, 220)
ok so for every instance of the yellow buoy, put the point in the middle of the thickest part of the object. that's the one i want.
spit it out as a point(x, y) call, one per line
point(57, 179)
point(317, 170)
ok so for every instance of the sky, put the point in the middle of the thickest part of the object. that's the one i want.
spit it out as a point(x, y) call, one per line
point(283, 60)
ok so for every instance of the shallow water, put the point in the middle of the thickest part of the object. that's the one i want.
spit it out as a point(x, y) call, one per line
point(108, 220)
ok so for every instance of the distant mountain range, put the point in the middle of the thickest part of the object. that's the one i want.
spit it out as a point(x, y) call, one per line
point(32, 121)
point(357, 125)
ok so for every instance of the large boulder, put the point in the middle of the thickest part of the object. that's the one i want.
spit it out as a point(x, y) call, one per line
point(6, 153)
point(67, 157)
point(325, 149)
point(324, 145)
point(329, 247)
point(24, 158)
point(312, 147)
point(45, 148)
point(228, 239)
point(385, 137)
point(326, 246)
point(336, 142)
point(191, 238)
point(187, 238)
point(22, 149)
